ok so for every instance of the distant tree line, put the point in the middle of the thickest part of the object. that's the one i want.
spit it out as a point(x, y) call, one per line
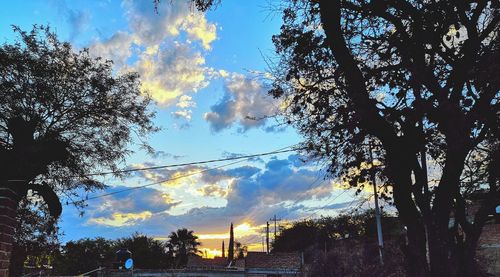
point(80, 256)
point(344, 245)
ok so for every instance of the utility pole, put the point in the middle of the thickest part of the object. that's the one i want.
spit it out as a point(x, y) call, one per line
point(377, 210)
point(275, 220)
point(267, 236)
point(263, 249)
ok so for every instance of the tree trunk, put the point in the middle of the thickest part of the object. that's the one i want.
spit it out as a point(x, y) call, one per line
point(442, 207)
point(409, 215)
point(9, 201)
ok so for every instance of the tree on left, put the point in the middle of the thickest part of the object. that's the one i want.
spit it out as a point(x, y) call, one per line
point(63, 114)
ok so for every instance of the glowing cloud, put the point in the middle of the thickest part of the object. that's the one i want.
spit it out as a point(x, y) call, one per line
point(119, 219)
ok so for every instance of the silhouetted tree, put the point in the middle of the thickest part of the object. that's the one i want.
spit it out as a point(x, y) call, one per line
point(181, 244)
point(63, 114)
point(36, 237)
point(318, 234)
point(240, 249)
point(416, 80)
point(419, 78)
point(230, 248)
point(147, 252)
point(77, 257)
point(223, 250)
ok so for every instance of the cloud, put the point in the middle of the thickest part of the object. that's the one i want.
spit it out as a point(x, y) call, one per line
point(145, 199)
point(167, 49)
point(167, 73)
point(117, 48)
point(171, 72)
point(212, 190)
point(197, 28)
point(172, 18)
point(170, 178)
point(227, 154)
point(162, 154)
point(246, 195)
point(119, 219)
point(186, 114)
point(129, 207)
point(185, 101)
point(245, 102)
point(280, 180)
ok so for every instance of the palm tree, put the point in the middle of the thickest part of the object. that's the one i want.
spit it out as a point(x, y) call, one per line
point(181, 244)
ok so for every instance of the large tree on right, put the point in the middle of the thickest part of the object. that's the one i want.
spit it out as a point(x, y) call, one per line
point(407, 83)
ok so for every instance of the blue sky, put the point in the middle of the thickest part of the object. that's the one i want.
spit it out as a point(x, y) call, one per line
point(207, 74)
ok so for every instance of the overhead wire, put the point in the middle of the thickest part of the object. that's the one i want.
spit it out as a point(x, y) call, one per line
point(279, 151)
point(240, 159)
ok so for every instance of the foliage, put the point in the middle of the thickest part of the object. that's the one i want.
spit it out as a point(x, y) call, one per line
point(353, 257)
point(36, 238)
point(406, 81)
point(240, 250)
point(181, 244)
point(77, 257)
point(147, 252)
point(63, 114)
point(313, 235)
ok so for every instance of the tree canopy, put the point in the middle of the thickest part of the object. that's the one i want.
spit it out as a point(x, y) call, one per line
point(77, 257)
point(63, 114)
point(36, 239)
point(408, 80)
point(147, 252)
point(389, 86)
point(181, 244)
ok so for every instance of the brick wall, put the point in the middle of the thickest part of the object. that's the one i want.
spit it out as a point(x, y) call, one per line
point(489, 248)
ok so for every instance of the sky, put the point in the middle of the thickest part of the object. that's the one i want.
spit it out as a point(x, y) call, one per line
point(207, 75)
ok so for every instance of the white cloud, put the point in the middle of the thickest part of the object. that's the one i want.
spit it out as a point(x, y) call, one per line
point(117, 48)
point(186, 114)
point(186, 101)
point(171, 72)
point(173, 18)
point(170, 65)
point(246, 102)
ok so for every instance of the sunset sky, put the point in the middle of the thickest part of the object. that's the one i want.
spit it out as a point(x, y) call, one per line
point(207, 75)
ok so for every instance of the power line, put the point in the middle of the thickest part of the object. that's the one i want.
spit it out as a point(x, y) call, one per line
point(240, 159)
point(279, 151)
point(157, 183)
point(329, 203)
